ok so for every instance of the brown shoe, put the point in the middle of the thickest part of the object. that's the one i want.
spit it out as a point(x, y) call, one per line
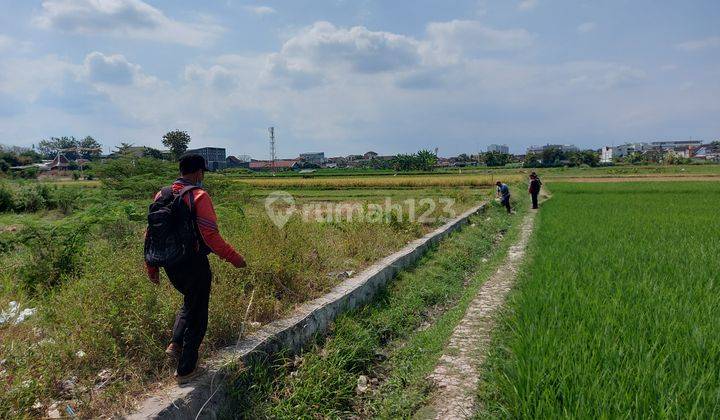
point(173, 350)
point(184, 379)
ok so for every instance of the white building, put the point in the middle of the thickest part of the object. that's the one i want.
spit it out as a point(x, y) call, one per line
point(500, 148)
point(606, 154)
point(563, 147)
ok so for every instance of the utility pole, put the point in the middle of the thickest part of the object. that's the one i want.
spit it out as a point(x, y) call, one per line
point(271, 130)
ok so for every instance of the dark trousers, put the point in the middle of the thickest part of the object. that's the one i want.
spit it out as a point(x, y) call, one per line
point(506, 202)
point(534, 199)
point(191, 278)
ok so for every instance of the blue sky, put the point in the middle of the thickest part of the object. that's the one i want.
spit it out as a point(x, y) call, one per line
point(344, 76)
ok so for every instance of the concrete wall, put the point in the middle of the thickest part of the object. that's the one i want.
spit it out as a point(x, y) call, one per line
point(291, 333)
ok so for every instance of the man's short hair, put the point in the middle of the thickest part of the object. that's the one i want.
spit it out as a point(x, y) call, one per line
point(192, 162)
point(498, 183)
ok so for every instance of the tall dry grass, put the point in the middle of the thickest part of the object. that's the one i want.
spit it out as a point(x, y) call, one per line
point(387, 181)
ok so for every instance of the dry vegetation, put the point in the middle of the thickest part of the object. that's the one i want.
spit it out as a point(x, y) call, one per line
point(391, 181)
point(100, 328)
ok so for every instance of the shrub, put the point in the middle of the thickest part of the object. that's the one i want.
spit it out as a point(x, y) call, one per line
point(30, 200)
point(54, 255)
point(6, 199)
point(65, 200)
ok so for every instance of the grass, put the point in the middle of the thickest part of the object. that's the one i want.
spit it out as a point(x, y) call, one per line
point(98, 312)
point(396, 181)
point(616, 314)
point(395, 339)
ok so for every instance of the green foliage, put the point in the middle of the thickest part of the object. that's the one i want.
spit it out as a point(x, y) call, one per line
point(135, 177)
point(616, 316)
point(584, 157)
point(30, 199)
point(54, 255)
point(7, 202)
point(177, 141)
point(496, 159)
point(323, 383)
point(424, 160)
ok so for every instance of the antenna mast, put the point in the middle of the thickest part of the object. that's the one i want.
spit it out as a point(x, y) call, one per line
point(271, 130)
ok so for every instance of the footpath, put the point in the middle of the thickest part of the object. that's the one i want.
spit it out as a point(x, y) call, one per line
point(457, 374)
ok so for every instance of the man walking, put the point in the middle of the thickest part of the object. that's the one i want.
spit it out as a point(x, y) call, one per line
point(191, 275)
point(503, 191)
point(534, 189)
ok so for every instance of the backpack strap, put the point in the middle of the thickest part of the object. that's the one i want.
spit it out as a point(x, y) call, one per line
point(191, 200)
point(165, 194)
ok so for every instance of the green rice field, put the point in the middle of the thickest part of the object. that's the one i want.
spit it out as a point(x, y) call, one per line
point(616, 313)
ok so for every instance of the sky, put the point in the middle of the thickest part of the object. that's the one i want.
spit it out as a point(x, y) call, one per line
point(348, 76)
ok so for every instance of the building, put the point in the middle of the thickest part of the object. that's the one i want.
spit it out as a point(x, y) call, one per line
point(370, 155)
point(499, 148)
point(606, 154)
point(563, 147)
point(280, 165)
point(242, 161)
point(315, 158)
point(214, 157)
point(674, 145)
point(60, 163)
point(709, 151)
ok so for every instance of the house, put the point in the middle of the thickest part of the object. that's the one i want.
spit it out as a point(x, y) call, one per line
point(280, 165)
point(214, 157)
point(315, 158)
point(237, 162)
point(60, 163)
point(709, 151)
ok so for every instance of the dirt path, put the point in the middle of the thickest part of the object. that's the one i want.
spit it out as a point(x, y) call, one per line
point(456, 374)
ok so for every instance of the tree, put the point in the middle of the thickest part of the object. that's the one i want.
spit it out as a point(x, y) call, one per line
point(49, 148)
point(634, 158)
point(123, 149)
point(152, 153)
point(496, 159)
point(552, 156)
point(177, 141)
point(463, 157)
point(90, 143)
point(586, 157)
point(425, 160)
point(403, 162)
point(532, 160)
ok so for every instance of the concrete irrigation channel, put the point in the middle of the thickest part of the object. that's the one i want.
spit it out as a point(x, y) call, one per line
point(209, 392)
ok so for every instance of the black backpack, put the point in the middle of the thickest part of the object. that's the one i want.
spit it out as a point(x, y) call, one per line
point(171, 233)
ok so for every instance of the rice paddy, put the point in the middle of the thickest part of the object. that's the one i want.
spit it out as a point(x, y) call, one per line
point(615, 315)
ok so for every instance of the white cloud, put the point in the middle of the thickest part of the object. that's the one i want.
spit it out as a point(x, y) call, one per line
point(260, 10)
point(110, 69)
point(122, 18)
point(600, 76)
point(217, 76)
point(6, 42)
point(356, 49)
point(586, 27)
point(450, 40)
point(526, 5)
point(699, 44)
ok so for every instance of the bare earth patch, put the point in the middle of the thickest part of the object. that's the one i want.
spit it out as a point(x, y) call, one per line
point(457, 373)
